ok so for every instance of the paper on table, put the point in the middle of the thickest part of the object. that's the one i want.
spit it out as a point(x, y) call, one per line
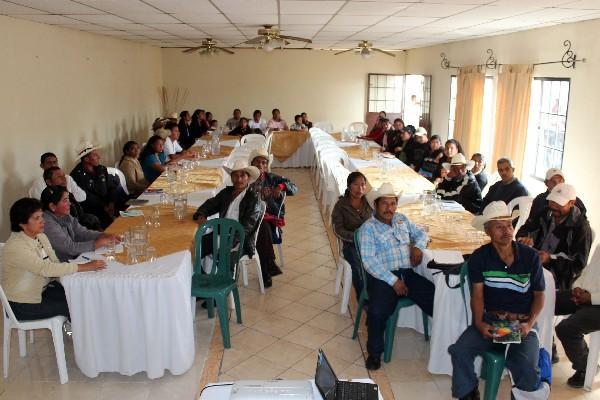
point(447, 257)
point(452, 206)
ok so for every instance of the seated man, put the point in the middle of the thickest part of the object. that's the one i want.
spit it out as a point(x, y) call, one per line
point(390, 246)
point(234, 121)
point(172, 148)
point(54, 176)
point(479, 170)
point(539, 207)
point(48, 160)
point(234, 202)
point(583, 305)
point(392, 139)
point(305, 120)
point(100, 188)
point(508, 187)
point(410, 152)
point(562, 237)
point(270, 187)
point(460, 185)
point(298, 125)
point(507, 282)
point(277, 123)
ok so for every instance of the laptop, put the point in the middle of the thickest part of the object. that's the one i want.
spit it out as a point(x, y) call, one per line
point(333, 389)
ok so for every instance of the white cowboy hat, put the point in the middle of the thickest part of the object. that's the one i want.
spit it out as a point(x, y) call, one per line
point(241, 165)
point(495, 211)
point(260, 152)
point(163, 133)
point(459, 159)
point(85, 148)
point(385, 190)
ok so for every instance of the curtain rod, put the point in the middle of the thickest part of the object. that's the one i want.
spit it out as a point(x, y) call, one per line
point(568, 59)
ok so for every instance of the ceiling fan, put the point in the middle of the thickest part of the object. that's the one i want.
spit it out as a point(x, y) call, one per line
point(269, 37)
point(366, 49)
point(208, 47)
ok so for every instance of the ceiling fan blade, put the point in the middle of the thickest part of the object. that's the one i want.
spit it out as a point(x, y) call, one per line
point(384, 52)
point(225, 50)
point(255, 40)
point(344, 51)
point(295, 38)
point(192, 49)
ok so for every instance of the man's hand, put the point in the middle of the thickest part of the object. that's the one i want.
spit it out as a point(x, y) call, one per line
point(544, 257)
point(581, 296)
point(527, 241)
point(400, 288)
point(416, 256)
point(201, 219)
point(525, 328)
point(276, 192)
point(485, 329)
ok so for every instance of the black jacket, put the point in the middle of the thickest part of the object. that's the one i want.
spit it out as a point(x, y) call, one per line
point(504, 192)
point(464, 191)
point(251, 210)
point(539, 208)
point(482, 179)
point(186, 135)
point(100, 189)
point(575, 240)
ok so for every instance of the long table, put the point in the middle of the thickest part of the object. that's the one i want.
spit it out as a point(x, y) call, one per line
point(448, 231)
point(291, 149)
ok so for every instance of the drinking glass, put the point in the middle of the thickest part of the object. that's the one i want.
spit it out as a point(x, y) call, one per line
point(110, 250)
point(150, 254)
point(179, 206)
point(156, 217)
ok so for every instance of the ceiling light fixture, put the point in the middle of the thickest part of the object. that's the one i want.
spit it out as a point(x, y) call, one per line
point(268, 45)
point(365, 53)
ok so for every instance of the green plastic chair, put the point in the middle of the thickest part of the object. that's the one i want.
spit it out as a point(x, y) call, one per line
point(390, 326)
point(216, 285)
point(493, 360)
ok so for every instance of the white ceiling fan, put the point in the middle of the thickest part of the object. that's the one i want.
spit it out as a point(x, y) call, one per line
point(366, 49)
point(208, 47)
point(270, 37)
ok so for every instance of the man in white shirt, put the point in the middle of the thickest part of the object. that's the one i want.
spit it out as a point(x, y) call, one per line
point(277, 123)
point(233, 123)
point(257, 123)
point(172, 148)
point(48, 160)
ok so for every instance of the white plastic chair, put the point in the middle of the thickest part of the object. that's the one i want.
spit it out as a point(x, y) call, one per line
point(268, 141)
point(245, 260)
point(279, 247)
point(524, 204)
point(119, 174)
point(324, 125)
point(358, 128)
point(54, 324)
point(253, 138)
point(344, 270)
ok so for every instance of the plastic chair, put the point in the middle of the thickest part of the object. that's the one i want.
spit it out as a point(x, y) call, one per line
point(390, 325)
point(493, 360)
point(324, 125)
point(253, 138)
point(119, 174)
point(54, 324)
point(245, 260)
point(268, 141)
point(279, 232)
point(524, 204)
point(216, 285)
point(592, 361)
point(358, 128)
point(344, 270)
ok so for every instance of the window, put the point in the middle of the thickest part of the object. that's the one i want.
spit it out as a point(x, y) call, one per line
point(547, 125)
point(407, 95)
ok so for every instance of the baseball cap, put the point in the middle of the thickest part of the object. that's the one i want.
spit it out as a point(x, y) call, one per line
point(562, 193)
point(552, 172)
point(421, 131)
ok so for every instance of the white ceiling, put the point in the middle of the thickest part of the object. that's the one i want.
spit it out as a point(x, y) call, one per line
point(339, 24)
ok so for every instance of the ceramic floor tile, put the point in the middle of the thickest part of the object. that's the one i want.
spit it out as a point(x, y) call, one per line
point(319, 300)
point(331, 322)
point(285, 353)
point(308, 364)
point(344, 348)
point(288, 291)
point(295, 375)
point(252, 341)
point(299, 312)
point(308, 336)
point(310, 282)
point(315, 259)
point(251, 315)
point(131, 391)
point(420, 390)
point(234, 356)
point(324, 272)
point(287, 275)
point(256, 368)
point(276, 325)
point(268, 304)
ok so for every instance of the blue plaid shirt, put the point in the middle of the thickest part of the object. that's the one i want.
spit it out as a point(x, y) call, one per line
point(385, 248)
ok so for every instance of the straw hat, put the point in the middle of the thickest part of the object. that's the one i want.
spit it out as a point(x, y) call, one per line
point(163, 133)
point(385, 190)
point(260, 152)
point(241, 165)
point(84, 149)
point(459, 159)
point(495, 211)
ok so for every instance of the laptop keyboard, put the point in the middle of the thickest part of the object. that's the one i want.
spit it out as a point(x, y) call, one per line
point(352, 391)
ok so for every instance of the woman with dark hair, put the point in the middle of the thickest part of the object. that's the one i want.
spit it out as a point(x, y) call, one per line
point(152, 158)
point(452, 147)
point(186, 138)
point(132, 169)
point(68, 238)
point(199, 126)
point(349, 213)
point(432, 164)
point(379, 129)
point(29, 262)
point(209, 119)
point(242, 128)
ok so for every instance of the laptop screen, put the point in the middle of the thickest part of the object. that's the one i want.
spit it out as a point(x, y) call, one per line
point(325, 378)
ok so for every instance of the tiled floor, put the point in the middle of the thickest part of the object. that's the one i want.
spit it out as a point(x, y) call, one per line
point(280, 334)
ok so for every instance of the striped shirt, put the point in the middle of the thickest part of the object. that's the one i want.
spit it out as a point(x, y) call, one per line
point(385, 248)
point(507, 287)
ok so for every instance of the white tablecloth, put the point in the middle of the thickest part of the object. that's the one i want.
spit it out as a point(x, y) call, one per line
point(223, 392)
point(129, 319)
point(303, 157)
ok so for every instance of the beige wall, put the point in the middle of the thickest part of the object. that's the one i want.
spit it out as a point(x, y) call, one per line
point(539, 45)
point(60, 86)
point(327, 87)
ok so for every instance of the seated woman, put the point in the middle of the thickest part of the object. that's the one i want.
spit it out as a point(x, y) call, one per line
point(242, 128)
point(153, 159)
point(234, 202)
point(379, 129)
point(66, 235)
point(132, 169)
point(270, 187)
point(29, 262)
point(349, 213)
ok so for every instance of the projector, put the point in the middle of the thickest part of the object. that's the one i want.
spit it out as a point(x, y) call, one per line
point(267, 390)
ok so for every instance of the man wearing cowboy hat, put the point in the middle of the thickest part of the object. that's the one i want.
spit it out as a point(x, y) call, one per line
point(390, 246)
point(460, 184)
point(101, 190)
point(508, 187)
point(234, 202)
point(507, 282)
point(270, 187)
